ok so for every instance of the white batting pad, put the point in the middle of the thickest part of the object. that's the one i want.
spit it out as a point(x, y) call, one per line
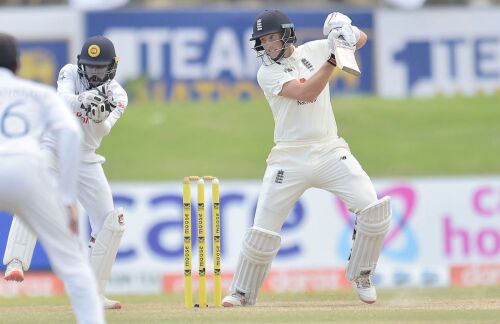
point(105, 248)
point(371, 227)
point(257, 253)
point(20, 244)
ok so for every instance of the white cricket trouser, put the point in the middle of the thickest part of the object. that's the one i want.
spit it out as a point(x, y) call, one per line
point(294, 168)
point(26, 189)
point(94, 193)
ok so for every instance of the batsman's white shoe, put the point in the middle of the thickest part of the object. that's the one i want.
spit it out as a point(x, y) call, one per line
point(14, 271)
point(110, 304)
point(234, 300)
point(365, 288)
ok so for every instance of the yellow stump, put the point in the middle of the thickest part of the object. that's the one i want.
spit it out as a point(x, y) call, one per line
point(201, 243)
point(188, 281)
point(216, 241)
point(202, 256)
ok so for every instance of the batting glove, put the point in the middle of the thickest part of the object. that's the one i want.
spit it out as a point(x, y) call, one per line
point(335, 20)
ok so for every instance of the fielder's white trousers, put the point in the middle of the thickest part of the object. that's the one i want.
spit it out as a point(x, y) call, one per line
point(94, 192)
point(26, 189)
point(293, 168)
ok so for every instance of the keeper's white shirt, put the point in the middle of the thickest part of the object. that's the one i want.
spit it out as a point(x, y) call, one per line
point(298, 121)
point(69, 86)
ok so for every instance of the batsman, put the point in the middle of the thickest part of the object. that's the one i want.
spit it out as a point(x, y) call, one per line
point(308, 154)
point(98, 101)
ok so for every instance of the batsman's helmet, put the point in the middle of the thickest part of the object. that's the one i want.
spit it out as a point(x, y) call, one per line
point(97, 61)
point(273, 21)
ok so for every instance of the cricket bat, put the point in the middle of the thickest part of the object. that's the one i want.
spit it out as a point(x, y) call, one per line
point(344, 55)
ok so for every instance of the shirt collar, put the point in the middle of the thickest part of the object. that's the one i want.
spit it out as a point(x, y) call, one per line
point(294, 57)
point(296, 53)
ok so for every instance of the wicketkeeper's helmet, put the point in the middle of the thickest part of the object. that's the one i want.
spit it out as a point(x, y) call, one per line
point(97, 61)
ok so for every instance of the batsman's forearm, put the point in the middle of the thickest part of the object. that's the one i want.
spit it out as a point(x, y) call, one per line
point(362, 40)
point(311, 89)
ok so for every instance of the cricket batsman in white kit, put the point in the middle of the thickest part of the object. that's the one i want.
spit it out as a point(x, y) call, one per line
point(98, 101)
point(308, 153)
point(29, 111)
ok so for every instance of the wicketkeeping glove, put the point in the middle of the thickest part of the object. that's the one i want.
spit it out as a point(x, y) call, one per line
point(109, 101)
point(93, 104)
point(86, 98)
point(98, 111)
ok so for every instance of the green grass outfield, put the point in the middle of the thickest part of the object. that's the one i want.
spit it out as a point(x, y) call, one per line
point(410, 137)
point(443, 305)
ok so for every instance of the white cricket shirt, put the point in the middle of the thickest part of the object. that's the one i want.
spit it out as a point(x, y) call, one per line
point(298, 121)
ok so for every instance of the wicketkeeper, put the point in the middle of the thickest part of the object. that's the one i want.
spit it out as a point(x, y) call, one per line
point(308, 153)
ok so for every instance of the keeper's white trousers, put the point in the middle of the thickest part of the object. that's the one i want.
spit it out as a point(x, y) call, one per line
point(27, 189)
point(293, 168)
point(94, 193)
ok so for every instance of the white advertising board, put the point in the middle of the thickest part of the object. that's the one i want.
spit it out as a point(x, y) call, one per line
point(439, 51)
point(438, 223)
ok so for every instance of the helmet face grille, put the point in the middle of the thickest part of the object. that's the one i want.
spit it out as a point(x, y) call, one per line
point(268, 22)
point(97, 61)
point(97, 75)
point(287, 37)
point(93, 76)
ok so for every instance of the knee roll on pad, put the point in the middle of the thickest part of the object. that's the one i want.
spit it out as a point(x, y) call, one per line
point(257, 253)
point(371, 227)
